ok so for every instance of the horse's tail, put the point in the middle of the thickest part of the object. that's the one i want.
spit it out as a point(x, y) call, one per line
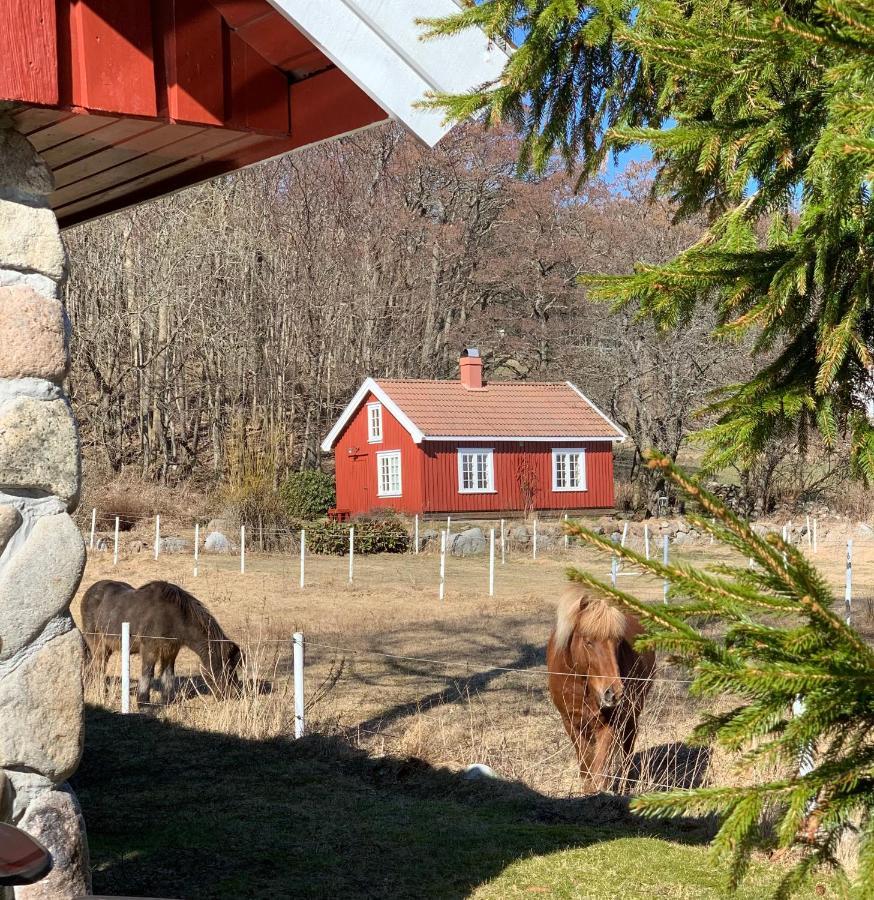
point(566, 617)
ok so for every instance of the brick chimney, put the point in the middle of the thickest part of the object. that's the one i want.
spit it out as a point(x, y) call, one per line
point(471, 369)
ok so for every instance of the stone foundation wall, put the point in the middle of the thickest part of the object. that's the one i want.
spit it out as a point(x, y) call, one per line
point(41, 551)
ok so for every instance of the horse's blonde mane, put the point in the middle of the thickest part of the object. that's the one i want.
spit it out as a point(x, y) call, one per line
point(593, 616)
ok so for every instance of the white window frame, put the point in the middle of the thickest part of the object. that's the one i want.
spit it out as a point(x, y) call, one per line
point(567, 451)
point(489, 454)
point(386, 454)
point(374, 437)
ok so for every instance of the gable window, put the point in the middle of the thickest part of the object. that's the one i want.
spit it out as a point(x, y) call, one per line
point(388, 474)
point(374, 423)
point(569, 469)
point(476, 471)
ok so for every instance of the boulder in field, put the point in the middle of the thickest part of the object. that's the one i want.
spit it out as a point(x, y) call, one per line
point(469, 542)
point(175, 545)
point(216, 542)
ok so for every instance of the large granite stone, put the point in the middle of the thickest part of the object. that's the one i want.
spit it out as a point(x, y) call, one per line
point(39, 448)
point(39, 581)
point(10, 520)
point(55, 820)
point(30, 240)
point(22, 171)
point(41, 708)
point(25, 787)
point(32, 335)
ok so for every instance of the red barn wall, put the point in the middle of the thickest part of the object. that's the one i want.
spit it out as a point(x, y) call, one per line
point(356, 472)
point(441, 477)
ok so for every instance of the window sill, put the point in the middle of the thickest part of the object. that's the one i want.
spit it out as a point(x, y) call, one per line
point(569, 490)
point(374, 440)
point(389, 496)
point(471, 491)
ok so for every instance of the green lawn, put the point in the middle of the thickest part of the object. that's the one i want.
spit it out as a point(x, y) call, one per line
point(174, 812)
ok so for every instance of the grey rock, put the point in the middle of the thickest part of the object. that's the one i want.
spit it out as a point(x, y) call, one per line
point(681, 537)
point(41, 709)
point(30, 240)
point(33, 335)
point(103, 544)
point(39, 447)
point(469, 542)
point(428, 537)
point(23, 170)
point(55, 819)
point(216, 542)
point(478, 772)
point(46, 287)
point(175, 545)
point(519, 535)
point(24, 788)
point(39, 581)
point(10, 520)
point(616, 537)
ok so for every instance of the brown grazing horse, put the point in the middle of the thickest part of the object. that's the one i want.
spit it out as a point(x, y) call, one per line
point(597, 680)
point(163, 619)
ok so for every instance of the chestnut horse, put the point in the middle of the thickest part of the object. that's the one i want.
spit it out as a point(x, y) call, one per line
point(163, 618)
point(597, 680)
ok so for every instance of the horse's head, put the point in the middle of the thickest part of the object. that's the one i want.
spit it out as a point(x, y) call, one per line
point(595, 647)
point(225, 658)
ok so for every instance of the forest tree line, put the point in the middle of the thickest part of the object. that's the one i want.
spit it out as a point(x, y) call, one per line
point(233, 321)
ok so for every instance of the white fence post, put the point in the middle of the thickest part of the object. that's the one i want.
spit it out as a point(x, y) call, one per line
point(503, 544)
point(491, 562)
point(125, 667)
point(443, 564)
point(93, 527)
point(448, 526)
point(665, 554)
point(297, 654)
point(416, 536)
point(115, 546)
point(242, 549)
point(646, 540)
point(624, 533)
point(814, 534)
point(566, 535)
point(534, 542)
point(848, 588)
point(157, 536)
point(303, 550)
point(614, 566)
point(809, 535)
point(196, 546)
point(351, 553)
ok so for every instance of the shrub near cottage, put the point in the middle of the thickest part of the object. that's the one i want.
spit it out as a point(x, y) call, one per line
point(384, 535)
point(308, 494)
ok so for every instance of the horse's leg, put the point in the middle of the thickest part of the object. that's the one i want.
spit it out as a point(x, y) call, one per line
point(147, 673)
point(168, 678)
point(595, 762)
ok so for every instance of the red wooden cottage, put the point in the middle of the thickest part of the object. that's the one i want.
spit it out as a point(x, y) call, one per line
point(472, 447)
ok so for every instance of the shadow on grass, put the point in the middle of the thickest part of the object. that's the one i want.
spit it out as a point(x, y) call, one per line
point(175, 812)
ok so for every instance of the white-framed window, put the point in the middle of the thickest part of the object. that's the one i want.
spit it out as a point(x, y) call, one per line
point(374, 423)
point(476, 471)
point(569, 469)
point(388, 474)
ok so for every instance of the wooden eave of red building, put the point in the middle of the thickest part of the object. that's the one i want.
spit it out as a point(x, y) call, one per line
point(128, 100)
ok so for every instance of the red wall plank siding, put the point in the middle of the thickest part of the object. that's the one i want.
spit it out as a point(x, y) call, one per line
point(28, 51)
point(441, 477)
point(112, 56)
point(356, 471)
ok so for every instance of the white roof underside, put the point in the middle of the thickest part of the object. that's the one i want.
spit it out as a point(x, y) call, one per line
point(378, 45)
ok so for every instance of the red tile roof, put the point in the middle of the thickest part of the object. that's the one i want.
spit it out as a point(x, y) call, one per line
point(499, 409)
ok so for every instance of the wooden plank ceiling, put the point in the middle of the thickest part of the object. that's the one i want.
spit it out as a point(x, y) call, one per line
point(150, 97)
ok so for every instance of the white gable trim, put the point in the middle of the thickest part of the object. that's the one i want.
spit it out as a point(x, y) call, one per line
point(621, 435)
point(521, 438)
point(377, 43)
point(370, 387)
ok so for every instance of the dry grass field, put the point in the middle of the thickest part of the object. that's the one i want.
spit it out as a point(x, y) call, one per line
point(403, 692)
